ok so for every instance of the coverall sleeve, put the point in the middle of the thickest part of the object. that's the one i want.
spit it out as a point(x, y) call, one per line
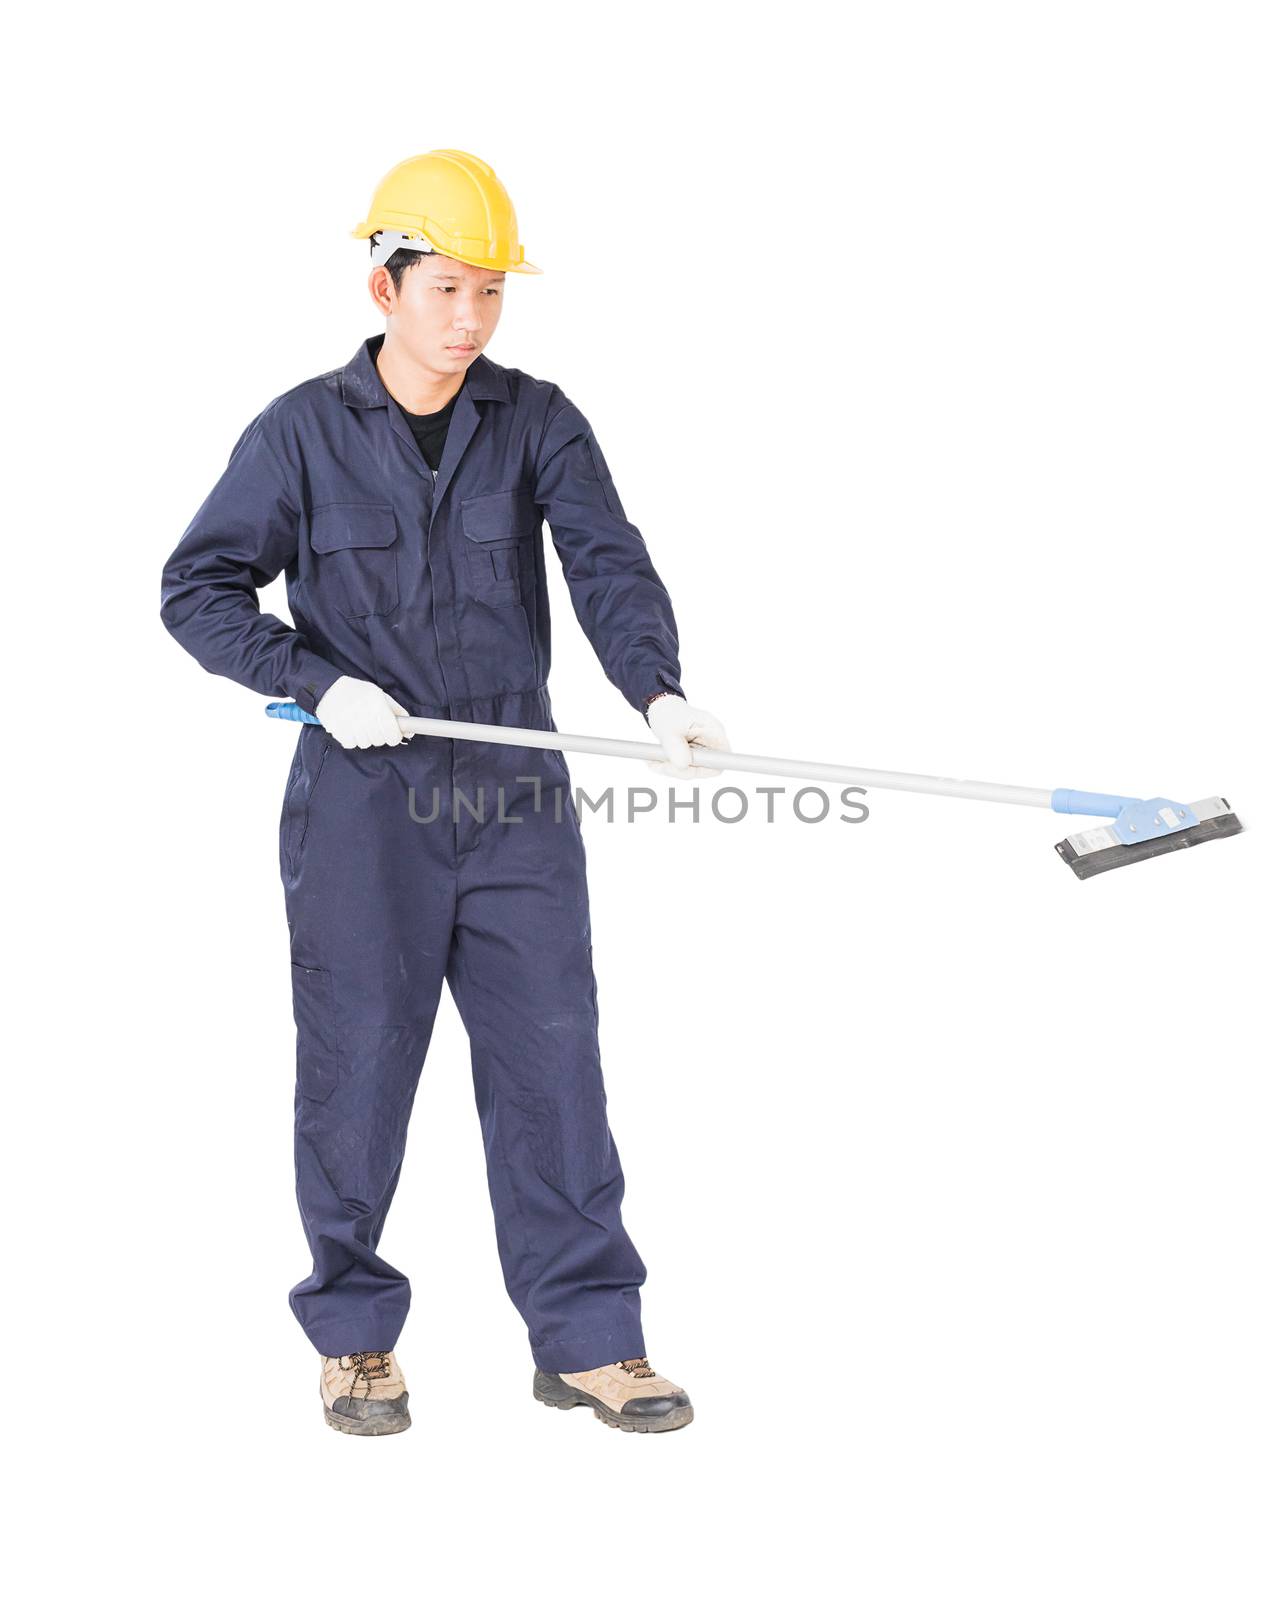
point(242, 536)
point(620, 601)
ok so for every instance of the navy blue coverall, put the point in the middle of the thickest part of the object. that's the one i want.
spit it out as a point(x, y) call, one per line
point(436, 591)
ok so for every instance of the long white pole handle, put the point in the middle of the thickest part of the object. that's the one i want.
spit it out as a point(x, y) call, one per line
point(730, 761)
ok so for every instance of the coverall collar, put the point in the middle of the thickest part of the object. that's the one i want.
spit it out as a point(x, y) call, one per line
point(361, 385)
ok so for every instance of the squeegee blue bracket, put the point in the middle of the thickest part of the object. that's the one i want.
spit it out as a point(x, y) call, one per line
point(1135, 820)
point(1151, 819)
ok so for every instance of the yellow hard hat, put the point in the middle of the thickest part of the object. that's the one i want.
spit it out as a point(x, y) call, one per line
point(448, 201)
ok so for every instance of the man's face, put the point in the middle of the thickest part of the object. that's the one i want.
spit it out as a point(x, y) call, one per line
point(445, 313)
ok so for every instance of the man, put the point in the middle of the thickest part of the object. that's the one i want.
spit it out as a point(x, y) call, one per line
point(403, 495)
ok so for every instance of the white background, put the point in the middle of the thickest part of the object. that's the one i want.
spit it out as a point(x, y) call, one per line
point(928, 347)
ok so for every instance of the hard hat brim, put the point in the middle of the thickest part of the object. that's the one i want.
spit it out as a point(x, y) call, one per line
point(367, 230)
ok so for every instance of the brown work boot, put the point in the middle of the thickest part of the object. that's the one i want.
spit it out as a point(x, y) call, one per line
point(626, 1394)
point(365, 1393)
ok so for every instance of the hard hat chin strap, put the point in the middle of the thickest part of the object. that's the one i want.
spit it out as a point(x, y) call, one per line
point(386, 243)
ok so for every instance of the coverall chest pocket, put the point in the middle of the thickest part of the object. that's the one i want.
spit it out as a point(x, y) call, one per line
point(356, 546)
point(496, 527)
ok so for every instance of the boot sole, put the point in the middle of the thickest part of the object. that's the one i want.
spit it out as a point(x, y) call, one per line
point(563, 1398)
point(366, 1427)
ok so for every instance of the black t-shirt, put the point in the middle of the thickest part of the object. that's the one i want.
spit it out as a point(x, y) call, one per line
point(430, 430)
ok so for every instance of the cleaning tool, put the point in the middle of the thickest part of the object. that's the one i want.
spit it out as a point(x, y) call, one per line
point(1140, 829)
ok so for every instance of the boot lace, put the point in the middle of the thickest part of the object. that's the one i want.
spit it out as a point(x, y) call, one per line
point(367, 1366)
point(639, 1368)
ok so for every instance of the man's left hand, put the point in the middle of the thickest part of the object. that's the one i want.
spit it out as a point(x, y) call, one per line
point(680, 726)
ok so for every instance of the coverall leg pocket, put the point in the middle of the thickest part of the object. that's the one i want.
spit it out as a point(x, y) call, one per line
point(306, 769)
point(317, 1048)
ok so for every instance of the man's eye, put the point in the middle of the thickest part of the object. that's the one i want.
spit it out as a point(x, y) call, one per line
point(446, 288)
point(491, 290)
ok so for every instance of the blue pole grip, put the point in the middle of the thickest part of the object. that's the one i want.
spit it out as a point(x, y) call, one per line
point(1082, 803)
point(288, 711)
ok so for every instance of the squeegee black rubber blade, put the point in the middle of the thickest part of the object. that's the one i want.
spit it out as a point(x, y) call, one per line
point(1124, 855)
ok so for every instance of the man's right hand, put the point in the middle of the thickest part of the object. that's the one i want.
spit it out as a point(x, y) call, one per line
point(359, 715)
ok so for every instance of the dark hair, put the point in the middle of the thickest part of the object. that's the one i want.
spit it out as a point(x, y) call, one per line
point(400, 262)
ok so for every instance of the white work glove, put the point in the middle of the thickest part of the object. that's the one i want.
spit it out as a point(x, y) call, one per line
point(358, 714)
point(679, 726)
